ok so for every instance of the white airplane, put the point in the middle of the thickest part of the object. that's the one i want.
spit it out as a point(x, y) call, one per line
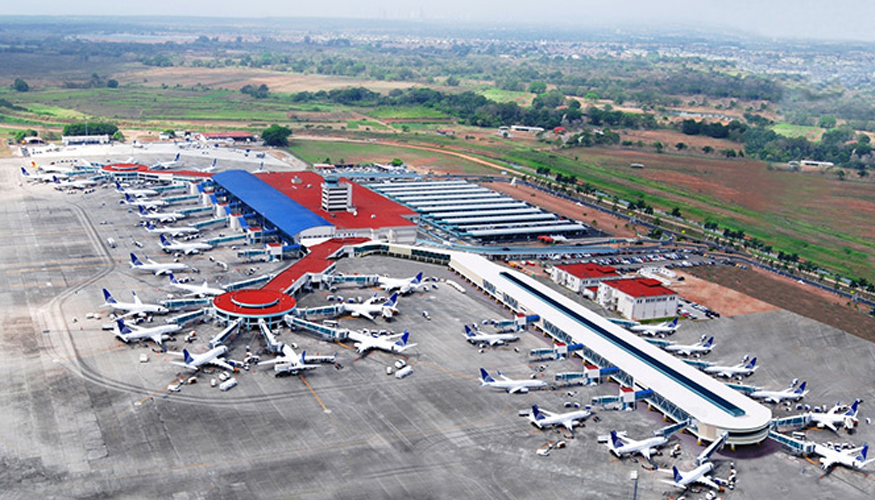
point(488, 338)
point(543, 418)
point(509, 385)
point(145, 202)
point(136, 193)
point(289, 361)
point(703, 346)
point(404, 286)
point(620, 445)
point(37, 177)
point(167, 164)
point(666, 328)
point(77, 184)
point(214, 356)
point(201, 290)
point(365, 342)
point(135, 307)
point(157, 334)
point(833, 418)
point(171, 245)
point(208, 169)
point(157, 268)
point(372, 308)
point(558, 238)
point(791, 393)
point(854, 459)
point(742, 369)
point(698, 475)
point(159, 216)
point(56, 169)
point(172, 231)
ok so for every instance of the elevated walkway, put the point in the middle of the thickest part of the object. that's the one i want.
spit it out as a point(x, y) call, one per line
point(188, 318)
point(196, 211)
point(248, 283)
point(211, 222)
point(225, 239)
point(325, 332)
point(797, 446)
point(225, 335)
point(179, 304)
point(180, 199)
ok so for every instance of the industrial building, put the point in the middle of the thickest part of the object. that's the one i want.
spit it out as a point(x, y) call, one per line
point(472, 212)
point(638, 299)
point(583, 278)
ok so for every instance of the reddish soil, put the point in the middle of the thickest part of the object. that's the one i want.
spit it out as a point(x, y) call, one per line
point(800, 299)
point(725, 301)
point(604, 222)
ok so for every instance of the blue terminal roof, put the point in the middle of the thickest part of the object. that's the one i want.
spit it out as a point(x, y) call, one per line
point(289, 216)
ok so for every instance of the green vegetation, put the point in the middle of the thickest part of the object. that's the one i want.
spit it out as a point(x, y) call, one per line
point(276, 135)
point(790, 130)
point(365, 123)
point(90, 128)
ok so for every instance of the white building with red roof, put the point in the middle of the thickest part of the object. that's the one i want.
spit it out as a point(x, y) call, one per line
point(581, 278)
point(638, 299)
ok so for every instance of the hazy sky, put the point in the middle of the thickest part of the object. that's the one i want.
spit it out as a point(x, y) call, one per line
point(822, 19)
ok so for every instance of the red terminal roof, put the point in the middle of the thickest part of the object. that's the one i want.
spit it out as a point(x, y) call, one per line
point(316, 261)
point(589, 270)
point(639, 287)
point(373, 211)
point(237, 134)
point(254, 303)
point(123, 168)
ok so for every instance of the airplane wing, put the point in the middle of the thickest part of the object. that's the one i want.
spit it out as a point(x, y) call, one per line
point(568, 424)
point(367, 315)
point(515, 389)
point(705, 480)
point(831, 426)
point(546, 413)
point(222, 363)
point(645, 452)
point(158, 338)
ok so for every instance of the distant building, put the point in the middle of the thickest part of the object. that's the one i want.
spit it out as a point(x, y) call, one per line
point(235, 136)
point(638, 299)
point(583, 278)
point(816, 164)
point(68, 140)
point(523, 128)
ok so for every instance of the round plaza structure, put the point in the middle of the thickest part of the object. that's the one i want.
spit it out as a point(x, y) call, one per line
point(252, 305)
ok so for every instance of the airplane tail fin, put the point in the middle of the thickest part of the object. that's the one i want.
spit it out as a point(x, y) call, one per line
point(673, 324)
point(863, 453)
point(709, 342)
point(172, 278)
point(24, 172)
point(108, 297)
point(135, 261)
point(118, 187)
point(752, 364)
point(142, 210)
point(187, 357)
point(403, 340)
point(677, 475)
point(177, 157)
point(485, 377)
point(136, 298)
point(392, 300)
point(852, 411)
point(122, 327)
point(801, 388)
point(536, 413)
point(128, 198)
point(468, 332)
point(164, 241)
point(418, 279)
point(615, 440)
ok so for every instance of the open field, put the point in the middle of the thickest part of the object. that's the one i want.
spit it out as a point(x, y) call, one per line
point(499, 95)
point(789, 130)
point(796, 298)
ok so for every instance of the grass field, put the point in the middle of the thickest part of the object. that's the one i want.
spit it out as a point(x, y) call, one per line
point(365, 124)
point(790, 130)
point(499, 95)
point(406, 113)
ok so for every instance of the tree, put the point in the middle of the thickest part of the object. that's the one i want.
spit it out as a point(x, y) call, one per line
point(90, 128)
point(169, 133)
point(452, 81)
point(118, 136)
point(707, 150)
point(680, 146)
point(396, 162)
point(676, 212)
point(276, 135)
point(659, 147)
point(827, 122)
point(538, 87)
point(111, 83)
point(21, 134)
point(20, 85)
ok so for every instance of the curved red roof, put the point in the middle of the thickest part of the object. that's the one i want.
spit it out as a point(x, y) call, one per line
point(254, 303)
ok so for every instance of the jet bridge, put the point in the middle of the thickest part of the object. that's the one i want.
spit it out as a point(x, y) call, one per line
point(718, 443)
point(249, 283)
point(325, 332)
point(797, 446)
point(211, 222)
point(225, 239)
point(332, 311)
point(589, 376)
point(796, 421)
point(172, 187)
point(188, 318)
point(362, 280)
point(671, 429)
point(196, 210)
point(179, 304)
point(180, 199)
point(517, 324)
point(744, 389)
point(558, 352)
point(221, 337)
point(273, 345)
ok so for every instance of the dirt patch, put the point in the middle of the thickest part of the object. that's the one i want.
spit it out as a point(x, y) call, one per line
point(726, 301)
point(801, 299)
point(604, 222)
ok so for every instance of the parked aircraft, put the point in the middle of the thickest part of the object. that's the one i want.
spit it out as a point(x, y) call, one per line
point(742, 369)
point(404, 286)
point(136, 193)
point(854, 459)
point(172, 231)
point(620, 445)
point(171, 245)
point(167, 164)
point(156, 268)
point(703, 346)
point(144, 202)
point(509, 385)
point(135, 307)
point(488, 338)
point(208, 169)
point(159, 216)
point(834, 417)
point(201, 290)
point(157, 334)
point(666, 328)
point(74, 184)
point(543, 418)
point(52, 169)
point(791, 393)
point(289, 361)
point(558, 238)
point(214, 356)
point(373, 307)
point(396, 344)
point(37, 177)
point(700, 475)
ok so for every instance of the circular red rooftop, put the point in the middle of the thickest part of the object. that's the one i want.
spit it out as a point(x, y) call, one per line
point(254, 303)
point(125, 167)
